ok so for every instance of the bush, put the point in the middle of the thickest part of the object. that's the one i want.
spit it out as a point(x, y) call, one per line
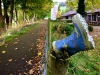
point(54, 28)
point(69, 21)
point(98, 24)
point(90, 28)
point(68, 29)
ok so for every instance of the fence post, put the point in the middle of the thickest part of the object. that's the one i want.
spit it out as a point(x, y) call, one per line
point(54, 65)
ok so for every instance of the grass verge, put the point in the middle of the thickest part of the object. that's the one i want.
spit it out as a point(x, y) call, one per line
point(86, 62)
point(12, 34)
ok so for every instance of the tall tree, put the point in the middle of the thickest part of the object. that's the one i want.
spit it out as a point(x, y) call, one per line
point(36, 8)
point(2, 19)
point(6, 4)
point(11, 13)
point(81, 7)
point(89, 4)
point(0, 15)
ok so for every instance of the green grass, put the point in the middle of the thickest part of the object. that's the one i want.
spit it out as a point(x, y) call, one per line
point(86, 63)
point(16, 33)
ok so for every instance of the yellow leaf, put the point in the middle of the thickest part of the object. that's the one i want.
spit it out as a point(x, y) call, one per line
point(10, 60)
point(31, 71)
point(3, 52)
point(30, 62)
point(39, 53)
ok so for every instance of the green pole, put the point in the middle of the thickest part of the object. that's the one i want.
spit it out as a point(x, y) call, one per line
point(49, 34)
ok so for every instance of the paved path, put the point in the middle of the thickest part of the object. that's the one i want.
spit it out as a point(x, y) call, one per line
point(15, 55)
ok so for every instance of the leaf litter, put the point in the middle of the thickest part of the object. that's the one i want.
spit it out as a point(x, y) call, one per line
point(37, 59)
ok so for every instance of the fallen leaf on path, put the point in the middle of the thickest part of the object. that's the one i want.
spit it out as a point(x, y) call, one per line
point(15, 43)
point(25, 73)
point(31, 71)
point(10, 60)
point(16, 48)
point(3, 52)
point(19, 74)
point(39, 53)
point(6, 46)
point(40, 47)
point(30, 62)
point(23, 58)
point(16, 38)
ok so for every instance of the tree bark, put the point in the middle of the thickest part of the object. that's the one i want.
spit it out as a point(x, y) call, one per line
point(24, 18)
point(5, 14)
point(81, 7)
point(2, 20)
point(16, 17)
point(11, 13)
point(33, 19)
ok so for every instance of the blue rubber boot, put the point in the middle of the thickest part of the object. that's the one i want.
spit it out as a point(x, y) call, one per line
point(79, 40)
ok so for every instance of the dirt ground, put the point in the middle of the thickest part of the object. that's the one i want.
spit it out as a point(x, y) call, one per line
point(96, 32)
point(18, 56)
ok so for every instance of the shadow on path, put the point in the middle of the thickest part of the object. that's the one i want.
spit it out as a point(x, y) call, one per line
point(15, 54)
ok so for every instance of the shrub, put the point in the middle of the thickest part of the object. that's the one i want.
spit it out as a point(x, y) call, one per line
point(69, 21)
point(54, 28)
point(99, 24)
point(68, 29)
point(90, 28)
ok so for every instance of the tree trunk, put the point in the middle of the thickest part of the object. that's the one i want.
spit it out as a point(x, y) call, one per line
point(2, 20)
point(16, 17)
point(81, 7)
point(33, 19)
point(7, 20)
point(11, 13)
point(24, 18)
point(28, 19)
point(6, 15)
point(36, 17)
